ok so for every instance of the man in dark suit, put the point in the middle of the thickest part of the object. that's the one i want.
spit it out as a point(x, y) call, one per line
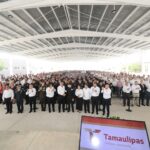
point(70, 97)
point(19, 98)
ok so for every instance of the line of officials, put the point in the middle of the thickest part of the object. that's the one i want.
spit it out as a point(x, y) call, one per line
point(70, 91)
point(66, 97)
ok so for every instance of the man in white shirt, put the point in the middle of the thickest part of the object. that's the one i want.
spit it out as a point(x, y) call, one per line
point(126, 93)
point(31, 92)
point(147, 93)
point(95, 90)
point(79, 98)
point(50, 91)
point(8, 96)
point(135, 92)
point(86, 98)
point(106, 99)
point(61, 96)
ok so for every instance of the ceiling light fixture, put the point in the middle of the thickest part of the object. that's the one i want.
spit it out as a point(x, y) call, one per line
point(114, 10)
point(10, 16)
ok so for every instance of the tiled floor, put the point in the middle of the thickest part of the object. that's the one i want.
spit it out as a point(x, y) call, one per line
point(53, 131)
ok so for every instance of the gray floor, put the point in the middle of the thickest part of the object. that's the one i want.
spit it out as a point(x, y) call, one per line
point(53, 131)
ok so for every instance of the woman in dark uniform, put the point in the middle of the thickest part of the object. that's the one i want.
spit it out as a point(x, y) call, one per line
point(42, 96)
point(70, 97)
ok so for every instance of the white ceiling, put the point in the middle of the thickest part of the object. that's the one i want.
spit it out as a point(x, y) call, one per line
point(68, 29)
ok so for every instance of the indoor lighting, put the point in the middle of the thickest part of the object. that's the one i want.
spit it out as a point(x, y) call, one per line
point(95, 141)
point(114, 10)
point(10, 16)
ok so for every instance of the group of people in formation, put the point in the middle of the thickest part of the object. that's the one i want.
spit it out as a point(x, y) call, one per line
point(90, 92)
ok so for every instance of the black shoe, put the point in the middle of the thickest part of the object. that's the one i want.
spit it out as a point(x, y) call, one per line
point(97, 113)
point(6, 113)
point(92, 113)
point(34, 110)
point(19, 112)
point(30, 111)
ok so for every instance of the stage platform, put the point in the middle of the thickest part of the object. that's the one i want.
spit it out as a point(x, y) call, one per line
point(54, 131)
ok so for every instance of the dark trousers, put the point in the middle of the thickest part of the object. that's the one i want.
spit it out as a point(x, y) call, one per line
point(86, 106)
point(106, 105)
point(0, 98)
point(20, 106)
point(126, 98)
point(51, 102)
point(141, 99)
point(61, 102)
point(147, 98)
point(8, 105)
point(32, 101)
point(27, 99)
point(100, 102)
point(70, 105)
point(43, 104)
point(79, 103)
point(94, 104)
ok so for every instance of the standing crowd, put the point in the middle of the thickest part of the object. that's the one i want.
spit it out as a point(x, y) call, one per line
point(74, 91)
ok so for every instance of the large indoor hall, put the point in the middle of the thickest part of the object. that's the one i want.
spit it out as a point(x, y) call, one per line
point(74, 74)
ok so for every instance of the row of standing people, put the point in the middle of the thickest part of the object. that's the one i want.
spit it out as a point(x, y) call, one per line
point(66, 98)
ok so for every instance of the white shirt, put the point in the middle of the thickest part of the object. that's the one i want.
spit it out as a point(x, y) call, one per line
point(95, 91)
point(106, 93)
point(50, 92)
point(136, 88)
point(148, 87)
point(31, 92)
point(126, 88)
point(114, 82)
point(79, 93)
point(8, 94)
point(86, 93)
point(61, 90)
